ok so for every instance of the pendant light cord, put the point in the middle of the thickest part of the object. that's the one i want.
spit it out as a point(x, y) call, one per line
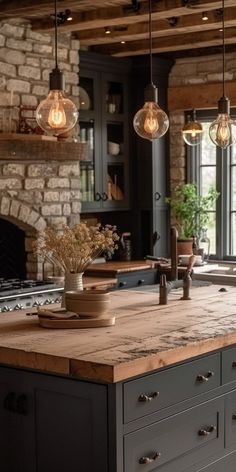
point(223, 34)
point(55, 11)
point(150, 39)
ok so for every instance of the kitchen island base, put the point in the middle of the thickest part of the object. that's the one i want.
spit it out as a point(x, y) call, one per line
point(178, 419)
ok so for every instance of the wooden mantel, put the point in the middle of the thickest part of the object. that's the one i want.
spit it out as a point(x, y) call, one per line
point(32, 147)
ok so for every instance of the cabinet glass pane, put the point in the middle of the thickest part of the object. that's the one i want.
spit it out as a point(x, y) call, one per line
point(115, 139)
point(114, 97)
point(87, 166)
point(115, 181)
point(86, 93)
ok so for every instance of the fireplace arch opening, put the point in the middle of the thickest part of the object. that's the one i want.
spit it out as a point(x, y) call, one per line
point(12, 251)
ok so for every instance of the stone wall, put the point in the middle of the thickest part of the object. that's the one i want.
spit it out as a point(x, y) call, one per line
point(27, 58)
point(192, 71)
point(38, 192)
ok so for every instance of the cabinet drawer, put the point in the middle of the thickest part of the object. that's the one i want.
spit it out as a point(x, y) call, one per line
point(229, 365)
point(230, 419)
point(153, 392)
point(137, 279)
point(195, 434)
point(226, 464)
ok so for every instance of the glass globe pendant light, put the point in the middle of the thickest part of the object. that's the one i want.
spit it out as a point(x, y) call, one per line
point(150, 122)
point(192, 131)
point(223, 130)
point(57, 114)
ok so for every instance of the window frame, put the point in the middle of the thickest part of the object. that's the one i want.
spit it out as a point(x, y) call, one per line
point(223, 185)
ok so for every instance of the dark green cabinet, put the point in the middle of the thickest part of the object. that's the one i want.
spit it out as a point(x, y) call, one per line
point(151, 168)
point(49, 423)
point(104, 126)
point(180, 418)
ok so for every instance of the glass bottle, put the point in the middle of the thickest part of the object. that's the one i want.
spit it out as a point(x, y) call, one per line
point(204, 244)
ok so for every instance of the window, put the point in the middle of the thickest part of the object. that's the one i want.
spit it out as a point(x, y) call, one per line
point(208, 165)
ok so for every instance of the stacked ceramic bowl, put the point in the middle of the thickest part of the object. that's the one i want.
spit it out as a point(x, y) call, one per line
point(113, 148)
point(88, 303)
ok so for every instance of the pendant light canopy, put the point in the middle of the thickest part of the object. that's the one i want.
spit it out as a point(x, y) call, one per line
point(192, 131)
point(223, 130)
point(150, 122)
point(56, 114)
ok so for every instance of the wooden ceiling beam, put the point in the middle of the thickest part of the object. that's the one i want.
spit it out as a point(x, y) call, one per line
point(199, 96)
point(160, 28)
point(123, 15)
point(173, 43)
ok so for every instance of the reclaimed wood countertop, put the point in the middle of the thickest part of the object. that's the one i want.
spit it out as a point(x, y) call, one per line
point(146, 335)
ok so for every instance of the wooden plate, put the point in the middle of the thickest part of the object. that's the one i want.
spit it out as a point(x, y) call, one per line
point(80, 323)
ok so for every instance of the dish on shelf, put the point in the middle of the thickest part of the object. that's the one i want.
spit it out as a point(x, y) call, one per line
point(113, 148)
point(84, 100)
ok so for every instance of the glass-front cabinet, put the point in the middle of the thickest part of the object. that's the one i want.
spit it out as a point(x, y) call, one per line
point(104, 121)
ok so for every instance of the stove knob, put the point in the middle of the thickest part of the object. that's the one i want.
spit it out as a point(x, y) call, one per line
point(57, 300)
point(6, 308)
point(48, 301)
point(37, 303)
point(18, 306)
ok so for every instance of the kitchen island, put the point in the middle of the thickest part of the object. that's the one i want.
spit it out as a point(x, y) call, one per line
point(155, 392)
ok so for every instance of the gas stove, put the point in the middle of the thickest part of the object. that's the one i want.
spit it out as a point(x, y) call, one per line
point(16, 294)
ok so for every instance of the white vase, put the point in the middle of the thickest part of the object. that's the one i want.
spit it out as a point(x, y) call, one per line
point(73, 282)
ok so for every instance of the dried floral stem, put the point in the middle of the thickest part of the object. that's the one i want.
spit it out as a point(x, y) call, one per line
point(73, 249)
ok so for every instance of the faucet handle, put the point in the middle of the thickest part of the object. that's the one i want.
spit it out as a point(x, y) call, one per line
point(191, 263)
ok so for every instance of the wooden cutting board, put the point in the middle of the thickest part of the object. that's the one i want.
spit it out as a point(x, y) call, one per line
point(77, 324)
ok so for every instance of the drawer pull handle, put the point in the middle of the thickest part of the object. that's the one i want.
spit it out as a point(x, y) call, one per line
point(234, 364)
point(9, 402)
point(147, 398)
point(141, 281)
point(205, 378)
point(149, 460)
point(206, 432)
point(234, 417)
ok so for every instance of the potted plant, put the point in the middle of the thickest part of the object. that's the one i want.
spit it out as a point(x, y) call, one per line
point(191, 212)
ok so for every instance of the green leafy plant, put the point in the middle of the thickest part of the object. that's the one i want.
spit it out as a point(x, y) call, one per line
point(191, 210)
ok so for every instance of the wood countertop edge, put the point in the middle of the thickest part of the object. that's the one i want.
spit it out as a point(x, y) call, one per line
point(36, 361)
point(106, 373)
point(127, 370)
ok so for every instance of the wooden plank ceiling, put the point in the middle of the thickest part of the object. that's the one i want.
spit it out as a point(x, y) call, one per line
point(177, 25)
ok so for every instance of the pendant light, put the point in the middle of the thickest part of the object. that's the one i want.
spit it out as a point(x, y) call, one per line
point(150, 122)
point(192, 131)
point(56, 114)
point(223, 130)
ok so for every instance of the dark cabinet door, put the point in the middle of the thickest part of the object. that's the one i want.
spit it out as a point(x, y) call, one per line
point(104, 126)
point(70, 426)
point(17, 448)
point(51, 424)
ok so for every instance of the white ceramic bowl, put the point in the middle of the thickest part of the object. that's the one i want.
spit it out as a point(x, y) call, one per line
point(113, 148)
point(88, 303)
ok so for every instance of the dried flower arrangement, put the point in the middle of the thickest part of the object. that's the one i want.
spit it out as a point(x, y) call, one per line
point(73, 249)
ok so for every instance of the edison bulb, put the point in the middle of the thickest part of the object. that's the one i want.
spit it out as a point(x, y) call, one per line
point(223, 131)
point(151, 122)
point(56, 114)
point(192, 133)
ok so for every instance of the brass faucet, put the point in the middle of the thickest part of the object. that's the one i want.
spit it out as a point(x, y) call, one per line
point(165, 287)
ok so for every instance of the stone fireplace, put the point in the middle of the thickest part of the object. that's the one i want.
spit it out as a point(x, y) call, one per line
point(39, 186)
